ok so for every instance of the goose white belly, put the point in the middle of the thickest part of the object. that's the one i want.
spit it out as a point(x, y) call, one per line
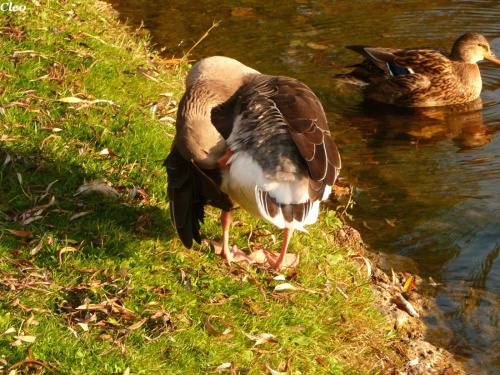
point(244, 181)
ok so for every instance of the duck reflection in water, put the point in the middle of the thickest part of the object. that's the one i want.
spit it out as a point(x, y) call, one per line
point(462, 123)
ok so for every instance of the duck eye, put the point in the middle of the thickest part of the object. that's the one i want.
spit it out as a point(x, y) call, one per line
point(480, 44)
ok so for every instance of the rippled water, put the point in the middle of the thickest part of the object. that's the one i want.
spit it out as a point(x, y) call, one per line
point(428, 181)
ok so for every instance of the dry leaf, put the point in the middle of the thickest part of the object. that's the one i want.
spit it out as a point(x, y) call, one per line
point(210, 328)
point(25, 338)
point(137, 324)
point(367, 262)
point(317, 46)
point(261, 338)
point(20, 233)
point(392, 223)
point(322, 363)
point(107, 151)
point(72, 100)
point(274, 372)
point(223, 366)
point(9, 331)
point(100, 186)
point(8, 159)
point(405, 305)
point(84, 326)
point(433, 283)
point(73, 331)
point(38, 247)
point(409, 285)
point(284, 286)
point(80, 214)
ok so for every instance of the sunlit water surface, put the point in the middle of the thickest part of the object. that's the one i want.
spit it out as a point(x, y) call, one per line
point(428, 181)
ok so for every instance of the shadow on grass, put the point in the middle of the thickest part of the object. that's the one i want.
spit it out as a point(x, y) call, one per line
point(39, 199)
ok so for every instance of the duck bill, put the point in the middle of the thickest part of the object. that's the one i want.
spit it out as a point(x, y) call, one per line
point(491, 57)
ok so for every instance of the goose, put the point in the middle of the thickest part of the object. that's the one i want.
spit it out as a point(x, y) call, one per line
point(422, 77)
point(258, 140)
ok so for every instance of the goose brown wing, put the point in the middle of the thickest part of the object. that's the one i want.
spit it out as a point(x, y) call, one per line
point(306, 120)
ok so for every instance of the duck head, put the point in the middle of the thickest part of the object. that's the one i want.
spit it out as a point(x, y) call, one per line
point(471, 48)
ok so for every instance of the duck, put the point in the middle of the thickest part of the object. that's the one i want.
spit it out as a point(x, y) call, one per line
point(259, 141)
point(421, 77)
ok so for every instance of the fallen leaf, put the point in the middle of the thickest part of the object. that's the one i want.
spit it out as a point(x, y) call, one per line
point(80, 214)
point(322, 363)
point(137, 324)
point(8, 159)
point(107, 151)
point(366, 225)
point(20, 233)
point(84, 326)
point(410, 285)
point(25, 338)
point(392, 223)
point(210, 328)
point(367, 263)
point(274, 372)
point(433, 283)
point(285, 286)
point(100, 186)
point(405, 305)
point(223, 366)
point(261, 338)
point(317, 46)
point(37, 247)
point(9, 331)
point(72, 100)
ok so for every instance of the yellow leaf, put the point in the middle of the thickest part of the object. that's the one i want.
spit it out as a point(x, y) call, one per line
point(71, 100)
point(409, 285)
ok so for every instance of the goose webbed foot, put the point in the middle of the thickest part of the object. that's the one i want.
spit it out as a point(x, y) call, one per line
point(276, 262)
point(231, 254)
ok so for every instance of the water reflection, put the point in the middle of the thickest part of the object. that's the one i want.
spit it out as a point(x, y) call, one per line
point(426, 179)
point(463, 124)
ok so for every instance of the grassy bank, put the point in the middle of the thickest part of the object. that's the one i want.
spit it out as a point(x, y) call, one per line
point(92, 279)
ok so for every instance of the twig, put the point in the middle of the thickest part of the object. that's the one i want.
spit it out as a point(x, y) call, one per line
point(215, 24)
point(348, 202)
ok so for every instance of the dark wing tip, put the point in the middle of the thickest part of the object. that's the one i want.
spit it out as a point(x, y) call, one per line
point(189, 190)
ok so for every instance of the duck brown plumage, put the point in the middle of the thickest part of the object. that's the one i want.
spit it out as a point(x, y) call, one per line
point(422, 77)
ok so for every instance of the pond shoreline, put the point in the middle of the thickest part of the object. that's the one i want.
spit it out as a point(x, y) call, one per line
point(391, 300)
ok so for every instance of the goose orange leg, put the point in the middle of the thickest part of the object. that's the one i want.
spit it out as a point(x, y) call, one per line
point(226, 219)
point(276, 265)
